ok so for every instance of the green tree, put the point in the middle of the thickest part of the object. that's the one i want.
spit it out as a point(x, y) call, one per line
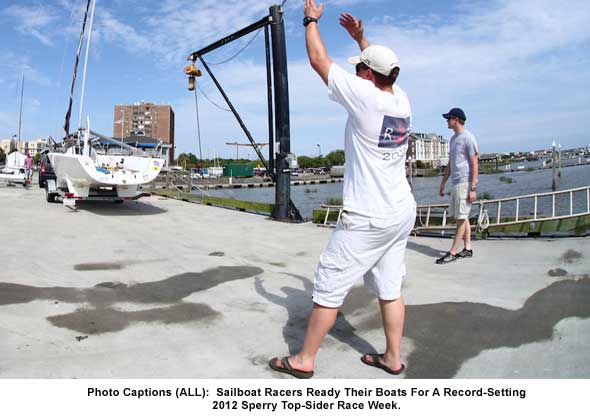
point(2, 155)
point(187, 160)
point(334, 158)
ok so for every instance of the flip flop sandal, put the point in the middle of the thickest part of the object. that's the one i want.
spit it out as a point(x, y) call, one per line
point(288, 369)
point(377, 364)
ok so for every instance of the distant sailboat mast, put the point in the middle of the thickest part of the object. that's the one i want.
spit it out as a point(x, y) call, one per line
point(20, 115)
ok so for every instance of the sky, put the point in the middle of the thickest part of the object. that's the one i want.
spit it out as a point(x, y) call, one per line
point(519, 69)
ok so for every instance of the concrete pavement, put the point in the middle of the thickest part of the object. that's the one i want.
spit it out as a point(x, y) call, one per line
point(159, 288)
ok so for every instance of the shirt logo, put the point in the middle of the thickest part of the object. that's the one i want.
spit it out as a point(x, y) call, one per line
point(394, 132)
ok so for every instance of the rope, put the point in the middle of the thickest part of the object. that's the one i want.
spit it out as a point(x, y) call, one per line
point(483, 220)
point(239, 52)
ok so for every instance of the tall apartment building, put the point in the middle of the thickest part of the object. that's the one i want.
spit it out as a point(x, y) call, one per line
point(145, 119)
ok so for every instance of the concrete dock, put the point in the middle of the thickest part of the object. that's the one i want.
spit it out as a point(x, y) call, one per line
point(160, 288)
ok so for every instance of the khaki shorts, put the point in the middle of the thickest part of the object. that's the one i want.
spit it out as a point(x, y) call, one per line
point(459, 208)
point(364, 247)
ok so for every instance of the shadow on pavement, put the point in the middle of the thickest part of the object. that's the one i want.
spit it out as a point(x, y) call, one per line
point(297, 302)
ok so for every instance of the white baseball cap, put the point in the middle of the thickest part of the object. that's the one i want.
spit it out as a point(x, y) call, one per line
point(378, 58)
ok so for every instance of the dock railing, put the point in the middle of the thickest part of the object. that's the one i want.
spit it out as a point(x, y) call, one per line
point(510, 211)
point(502, 213)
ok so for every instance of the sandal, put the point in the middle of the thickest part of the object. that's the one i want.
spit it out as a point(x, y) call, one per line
point(288, 369)
point(376, 362)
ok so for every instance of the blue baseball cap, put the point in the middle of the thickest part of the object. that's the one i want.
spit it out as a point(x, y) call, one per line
point(455, 112)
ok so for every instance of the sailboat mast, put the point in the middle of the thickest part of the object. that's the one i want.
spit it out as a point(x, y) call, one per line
point(86, 65)
point(80, 41)
point(20, 115)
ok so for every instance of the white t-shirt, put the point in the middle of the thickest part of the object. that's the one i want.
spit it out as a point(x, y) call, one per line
point(375, 145)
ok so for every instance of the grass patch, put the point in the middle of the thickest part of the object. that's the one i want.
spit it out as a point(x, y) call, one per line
point(507, 180)
point(219, 201)
point(333, 201)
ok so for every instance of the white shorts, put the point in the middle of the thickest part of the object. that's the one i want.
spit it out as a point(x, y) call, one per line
point(365, 247)
point(459, 208)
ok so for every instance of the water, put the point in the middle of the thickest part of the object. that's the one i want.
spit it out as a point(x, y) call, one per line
point(310, 197)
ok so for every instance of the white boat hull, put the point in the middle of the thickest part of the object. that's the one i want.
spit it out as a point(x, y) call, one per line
point(13, 175)
point(80, 174)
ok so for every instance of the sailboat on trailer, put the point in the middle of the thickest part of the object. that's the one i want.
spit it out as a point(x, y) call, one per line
point(94, 166)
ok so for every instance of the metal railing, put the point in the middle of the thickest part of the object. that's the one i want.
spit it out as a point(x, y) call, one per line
point(509, 211)
point(499, 212)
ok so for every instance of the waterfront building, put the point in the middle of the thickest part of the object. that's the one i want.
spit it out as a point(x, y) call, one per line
point(487, 158)
point(145, 119)
point(429, 148)
point(33, 146)
point(7, 145)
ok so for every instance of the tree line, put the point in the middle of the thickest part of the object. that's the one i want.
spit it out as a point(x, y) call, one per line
point(190, 160)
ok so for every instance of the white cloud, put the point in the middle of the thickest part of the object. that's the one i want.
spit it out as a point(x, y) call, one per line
point(503, 60)
point(12, 68)
point(34, 20)
point(116, 32)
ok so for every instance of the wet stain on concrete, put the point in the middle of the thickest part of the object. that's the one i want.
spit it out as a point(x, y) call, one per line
point(259, 360)
point(217, 254)
point(169, 290)
point(109, 266)
point(570, 256)
point(446, 335)
point(557, 272)
point(298, 304)
point(103, 318)
point(279, 264)
point(112, 285)
point(99, 266)
point(106, 320)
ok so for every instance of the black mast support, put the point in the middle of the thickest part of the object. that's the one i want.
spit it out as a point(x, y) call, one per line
point(230, 38)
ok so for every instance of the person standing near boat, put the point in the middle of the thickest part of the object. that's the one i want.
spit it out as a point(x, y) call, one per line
point(29, 167)
point(462, 169)
point(379, 210)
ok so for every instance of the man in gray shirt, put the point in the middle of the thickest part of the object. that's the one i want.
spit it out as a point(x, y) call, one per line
point(462, 168)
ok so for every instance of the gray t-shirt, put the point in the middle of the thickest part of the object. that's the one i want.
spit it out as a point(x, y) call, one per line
point(462, 147)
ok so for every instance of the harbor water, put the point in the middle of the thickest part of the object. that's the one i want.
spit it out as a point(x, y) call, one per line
point(425, 189)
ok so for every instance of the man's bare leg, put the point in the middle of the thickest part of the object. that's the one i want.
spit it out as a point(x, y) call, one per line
point(459, 236)
point(467, 235)
point(393, 316)
point(321, 320)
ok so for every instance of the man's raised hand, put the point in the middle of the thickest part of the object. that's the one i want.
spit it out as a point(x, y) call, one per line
point(352, 25)
point(310, 9)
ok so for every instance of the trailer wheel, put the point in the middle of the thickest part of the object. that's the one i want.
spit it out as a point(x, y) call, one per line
point(50, 197)
point(118, 201)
